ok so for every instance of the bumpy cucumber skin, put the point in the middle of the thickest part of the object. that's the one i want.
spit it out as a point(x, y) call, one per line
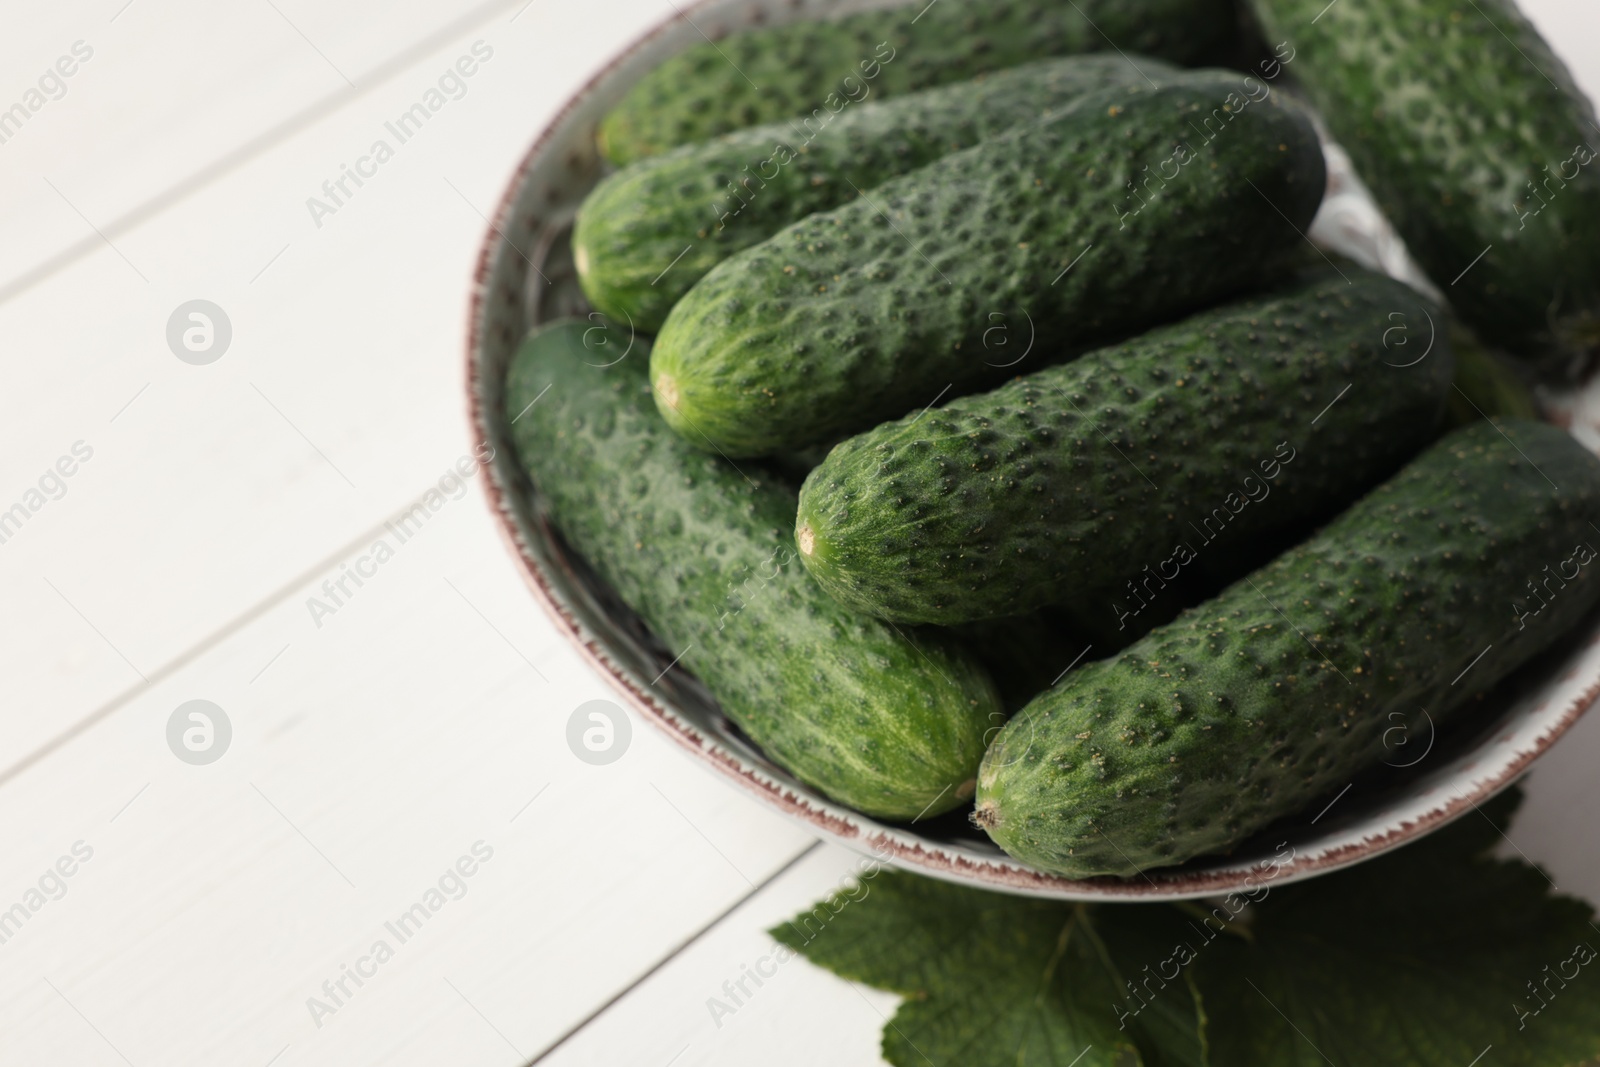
point(1449, 108)
point(812, 66)
point(1071, 481)
point(888, 723)
point(1024, 247)
point(1247, 708)
point(649, 232)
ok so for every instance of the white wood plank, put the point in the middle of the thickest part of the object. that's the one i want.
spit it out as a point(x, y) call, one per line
point(340, 398)
point(368, 755)
point(800, 1014)
point(159, 93)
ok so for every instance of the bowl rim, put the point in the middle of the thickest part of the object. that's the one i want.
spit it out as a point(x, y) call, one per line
point(898, 846)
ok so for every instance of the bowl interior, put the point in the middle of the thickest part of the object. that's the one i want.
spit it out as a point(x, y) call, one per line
point(526, 277)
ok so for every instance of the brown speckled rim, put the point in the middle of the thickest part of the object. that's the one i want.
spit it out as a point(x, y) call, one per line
point(1500, 758)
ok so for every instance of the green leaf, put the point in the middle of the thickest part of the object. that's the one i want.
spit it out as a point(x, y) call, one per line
point(1428, 956)
point(992, 979)
point(1432, 956)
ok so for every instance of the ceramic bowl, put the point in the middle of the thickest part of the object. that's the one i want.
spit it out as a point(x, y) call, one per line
point(525, 277)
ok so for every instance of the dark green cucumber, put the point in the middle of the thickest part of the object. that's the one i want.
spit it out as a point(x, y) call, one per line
point(886, 722)
point(1246, 709)
point(1097, 483)
point(819, 68)
point(649, 232)
point(1478, 146)
point(1030, 245)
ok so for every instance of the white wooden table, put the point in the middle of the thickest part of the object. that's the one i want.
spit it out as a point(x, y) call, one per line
point(213, 911)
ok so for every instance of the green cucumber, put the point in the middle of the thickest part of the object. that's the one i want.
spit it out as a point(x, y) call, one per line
point(889, 723)
point(649, 232)
point(1116, 472)
point(1244, 710)
point(1479, 147)
point(819, 68)
point(1030, 245)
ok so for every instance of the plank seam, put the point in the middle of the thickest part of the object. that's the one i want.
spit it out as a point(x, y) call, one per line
point(228, 629)
point(677, 951)
point(306, 117)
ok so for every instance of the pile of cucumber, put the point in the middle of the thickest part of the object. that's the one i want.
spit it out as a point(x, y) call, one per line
point(992, 437)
